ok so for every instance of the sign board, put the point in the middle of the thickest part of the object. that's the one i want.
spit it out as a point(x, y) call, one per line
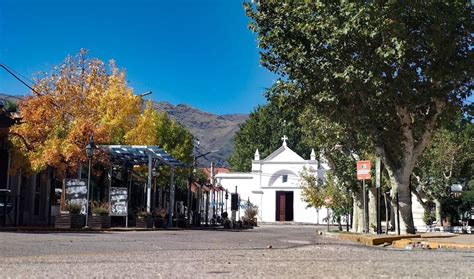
point(118, 201)
point(234, 202)
point(363, 170)
point(75, 192)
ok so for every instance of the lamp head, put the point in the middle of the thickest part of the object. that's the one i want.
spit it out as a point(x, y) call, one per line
point(90, 147)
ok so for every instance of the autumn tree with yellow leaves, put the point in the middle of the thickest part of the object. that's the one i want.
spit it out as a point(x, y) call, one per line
point(81, 96)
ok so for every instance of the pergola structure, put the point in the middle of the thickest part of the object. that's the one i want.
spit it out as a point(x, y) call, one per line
point(145, 155)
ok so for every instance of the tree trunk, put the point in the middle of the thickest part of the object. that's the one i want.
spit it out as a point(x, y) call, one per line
point(400, 185)
point(439, 219)
point(372, 209)
point(357, 217)
point(355, 214)
point(393, 212)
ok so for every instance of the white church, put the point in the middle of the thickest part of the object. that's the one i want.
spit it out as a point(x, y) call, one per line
point(274, 186)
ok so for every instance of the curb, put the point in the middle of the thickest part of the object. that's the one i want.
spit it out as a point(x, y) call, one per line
point(410, 244)
point(375, 240)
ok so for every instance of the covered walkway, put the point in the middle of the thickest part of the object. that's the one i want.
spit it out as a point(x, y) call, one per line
point(128, 156)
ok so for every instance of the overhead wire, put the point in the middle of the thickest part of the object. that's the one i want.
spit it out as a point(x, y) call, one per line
point(19, 79)
point(18, 73)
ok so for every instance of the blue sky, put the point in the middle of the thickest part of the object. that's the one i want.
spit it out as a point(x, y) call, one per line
point(197, 52)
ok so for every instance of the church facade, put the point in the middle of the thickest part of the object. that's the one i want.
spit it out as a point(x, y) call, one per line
point(274, 186)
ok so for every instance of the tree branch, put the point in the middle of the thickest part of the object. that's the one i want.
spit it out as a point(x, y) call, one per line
point(419, 198)
point(427, 135)
point(22, 139)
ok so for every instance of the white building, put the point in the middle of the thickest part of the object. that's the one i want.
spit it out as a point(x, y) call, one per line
point(274, 186)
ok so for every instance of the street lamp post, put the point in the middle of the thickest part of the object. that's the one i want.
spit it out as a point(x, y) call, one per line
point(90, 148)
point(226, 198)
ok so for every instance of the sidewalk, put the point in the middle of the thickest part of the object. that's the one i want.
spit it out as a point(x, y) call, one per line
point(46, 229)
point(423, 240)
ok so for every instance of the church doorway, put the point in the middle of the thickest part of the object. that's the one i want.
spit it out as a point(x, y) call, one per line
point(284, 206)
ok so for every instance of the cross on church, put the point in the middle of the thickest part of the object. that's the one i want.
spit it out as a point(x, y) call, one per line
point(284, 138)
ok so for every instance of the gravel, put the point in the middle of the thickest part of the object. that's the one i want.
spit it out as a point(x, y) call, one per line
point(267, 251)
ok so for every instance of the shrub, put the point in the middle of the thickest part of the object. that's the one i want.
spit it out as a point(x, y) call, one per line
point(143, 214)
point(101, 209)
point(428, 217)
point(73, 208)
point(251, 211)
point(160, 213)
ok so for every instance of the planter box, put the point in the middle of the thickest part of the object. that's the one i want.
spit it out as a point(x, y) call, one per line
point(99, 222)
point(70, 221)
point(161, 223)
point(180, 223)
point(144, 222)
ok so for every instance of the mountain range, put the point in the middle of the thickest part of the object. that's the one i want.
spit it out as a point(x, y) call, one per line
point(214, 132)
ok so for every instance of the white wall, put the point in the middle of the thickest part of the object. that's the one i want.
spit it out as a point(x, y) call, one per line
point(261, 184)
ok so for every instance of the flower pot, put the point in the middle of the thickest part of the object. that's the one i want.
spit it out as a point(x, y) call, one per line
point(70, 221)
point(254, 221)
point(99, 221)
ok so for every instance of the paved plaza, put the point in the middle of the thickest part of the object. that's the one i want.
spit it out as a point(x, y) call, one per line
point(296, 251)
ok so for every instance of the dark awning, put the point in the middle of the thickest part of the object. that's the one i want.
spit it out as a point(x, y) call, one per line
point(138, 155)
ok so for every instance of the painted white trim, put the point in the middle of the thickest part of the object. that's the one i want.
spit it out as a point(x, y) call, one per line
point(258, 192)
point(281, 187)
point(238, 175)
point(290, 163)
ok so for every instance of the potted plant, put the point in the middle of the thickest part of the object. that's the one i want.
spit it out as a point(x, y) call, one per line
point(161, 220)
point(251, 214)
point(226, 221)
point(73, 218)
point(144, 220)
point(100, 218)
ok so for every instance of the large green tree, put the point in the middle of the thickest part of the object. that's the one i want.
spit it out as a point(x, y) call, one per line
point(448, 159)
point(263, 131)
point(391, 71)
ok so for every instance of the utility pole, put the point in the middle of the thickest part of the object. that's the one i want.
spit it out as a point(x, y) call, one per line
point(213, 192)
point(190, 181)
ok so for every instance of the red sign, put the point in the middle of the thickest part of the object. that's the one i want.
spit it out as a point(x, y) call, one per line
point(363, 170)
